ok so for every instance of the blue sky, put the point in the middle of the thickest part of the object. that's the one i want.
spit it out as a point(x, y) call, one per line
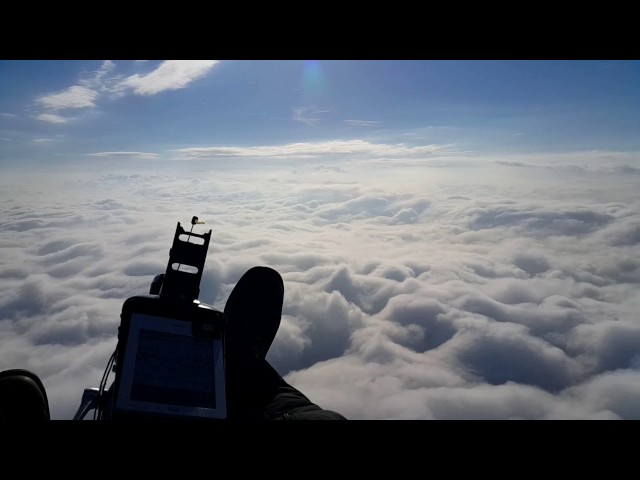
point(458, 239)
point(72, 110)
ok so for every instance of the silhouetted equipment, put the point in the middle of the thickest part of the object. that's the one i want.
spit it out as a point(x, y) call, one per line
point(186, 262)
point(169, 359)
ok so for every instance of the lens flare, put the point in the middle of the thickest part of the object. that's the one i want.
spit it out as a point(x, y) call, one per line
point(312, 77)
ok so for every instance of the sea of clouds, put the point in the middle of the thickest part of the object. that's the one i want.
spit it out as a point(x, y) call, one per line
point(449, 288)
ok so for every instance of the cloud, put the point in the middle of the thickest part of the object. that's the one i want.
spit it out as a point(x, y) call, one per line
point(580, 169)
point(73, 97)
point(469, 292)
point(362, 123)
point(614, 395)
point(582, 162)
point(170, 75)
point(100, 78)
point(307, 115)
point(103, 82)
point(136, 155)
point(52, 118)
point(8, 115)
point(539, 222)
point(307, 150)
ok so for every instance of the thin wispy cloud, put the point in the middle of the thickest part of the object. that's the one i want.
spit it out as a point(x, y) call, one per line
point(52, 118)
point(102, 79)
point(362, 123)
point(44, 140)
point(305, 150)
point(138, 155)
point(307, 115)
point(8, 115)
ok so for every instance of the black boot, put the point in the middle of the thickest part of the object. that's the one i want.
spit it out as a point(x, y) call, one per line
point(255, 391)
point(253, 311)
point(252, 318)
point(22, 397)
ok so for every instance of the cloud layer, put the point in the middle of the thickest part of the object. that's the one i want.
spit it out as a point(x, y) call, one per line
point(415, 291)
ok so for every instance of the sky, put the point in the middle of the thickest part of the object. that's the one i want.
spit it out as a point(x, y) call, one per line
point(458, 239)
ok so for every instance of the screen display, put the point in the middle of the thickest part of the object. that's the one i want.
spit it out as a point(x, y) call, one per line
point(174, 369)
point(170, 371)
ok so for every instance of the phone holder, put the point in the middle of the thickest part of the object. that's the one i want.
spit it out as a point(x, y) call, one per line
point(181, 281)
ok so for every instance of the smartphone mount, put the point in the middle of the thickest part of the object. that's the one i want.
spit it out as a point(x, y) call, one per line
point(181, 281)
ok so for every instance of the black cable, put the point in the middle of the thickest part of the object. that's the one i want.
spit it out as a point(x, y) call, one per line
point(99, 411)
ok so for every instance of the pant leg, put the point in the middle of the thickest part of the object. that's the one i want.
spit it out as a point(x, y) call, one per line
point(289, 403)
point(258, 392)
